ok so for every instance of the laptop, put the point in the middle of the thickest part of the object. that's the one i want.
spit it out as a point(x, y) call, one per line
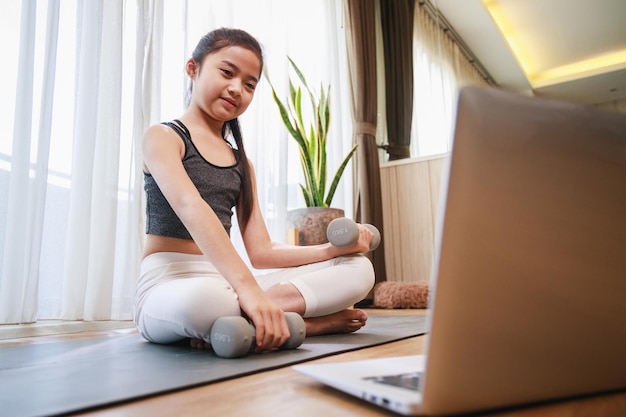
point(529, 280)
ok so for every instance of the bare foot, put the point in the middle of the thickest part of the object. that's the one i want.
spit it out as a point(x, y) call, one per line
point(199, 344)
point(346, 321)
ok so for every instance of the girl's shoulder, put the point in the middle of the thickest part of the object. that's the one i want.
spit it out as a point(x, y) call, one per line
point(162, 137)
point(159, 129)
point(165, 130)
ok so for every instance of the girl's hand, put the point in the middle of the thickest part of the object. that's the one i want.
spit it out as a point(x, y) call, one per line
point(365, 239)
point(268, 319)
point(361, 245)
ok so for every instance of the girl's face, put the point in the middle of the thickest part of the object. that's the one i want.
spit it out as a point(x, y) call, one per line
point(223, 86)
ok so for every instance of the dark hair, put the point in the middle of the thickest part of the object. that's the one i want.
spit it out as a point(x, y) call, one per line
point(211, 43)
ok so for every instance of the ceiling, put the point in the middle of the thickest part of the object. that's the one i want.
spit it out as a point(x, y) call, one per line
point(574, 50)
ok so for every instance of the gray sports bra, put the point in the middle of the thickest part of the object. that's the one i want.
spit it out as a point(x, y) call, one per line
point(218, 186)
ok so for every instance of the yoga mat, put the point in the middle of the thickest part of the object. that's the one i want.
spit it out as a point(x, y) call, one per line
point(65, 377)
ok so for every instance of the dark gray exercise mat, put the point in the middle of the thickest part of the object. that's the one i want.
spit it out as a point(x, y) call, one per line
point(63, 377)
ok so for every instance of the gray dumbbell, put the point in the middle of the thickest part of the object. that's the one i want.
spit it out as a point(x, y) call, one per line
point(345, 232)
point(234, 336)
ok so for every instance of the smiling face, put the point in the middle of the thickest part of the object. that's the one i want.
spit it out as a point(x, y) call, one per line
point(224, 83)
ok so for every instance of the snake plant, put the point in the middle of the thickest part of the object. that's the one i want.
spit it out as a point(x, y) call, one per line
point(311, 139)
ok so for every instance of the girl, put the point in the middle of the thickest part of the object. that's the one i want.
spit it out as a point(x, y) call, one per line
point(191, 274)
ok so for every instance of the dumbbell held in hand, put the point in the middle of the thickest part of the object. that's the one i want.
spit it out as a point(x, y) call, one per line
point(234, 336)
point(345, 232)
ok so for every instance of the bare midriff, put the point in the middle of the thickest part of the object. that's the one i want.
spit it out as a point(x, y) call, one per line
point(156, 244)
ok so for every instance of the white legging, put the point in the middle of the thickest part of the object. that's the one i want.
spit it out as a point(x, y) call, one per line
point(180, 295)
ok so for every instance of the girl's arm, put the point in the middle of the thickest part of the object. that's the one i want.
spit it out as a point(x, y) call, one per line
point(264, 253)
point(162, 150)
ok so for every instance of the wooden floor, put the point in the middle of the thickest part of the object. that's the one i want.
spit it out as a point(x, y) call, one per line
point(284, 392)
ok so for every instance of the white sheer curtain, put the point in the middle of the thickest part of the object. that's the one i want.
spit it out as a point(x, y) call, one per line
point(17, 296)
point(440, 69)
point(69, 247)
point(80, 87)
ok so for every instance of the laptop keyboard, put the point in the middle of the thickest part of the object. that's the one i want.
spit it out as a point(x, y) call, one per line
point(409, 380)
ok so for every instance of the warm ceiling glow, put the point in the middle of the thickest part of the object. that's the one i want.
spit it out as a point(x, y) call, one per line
point(572, 71)
point(581, 69)
point(507, 31)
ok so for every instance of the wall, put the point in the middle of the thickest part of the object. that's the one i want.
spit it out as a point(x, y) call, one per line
point(410, 194)
point(615, 105)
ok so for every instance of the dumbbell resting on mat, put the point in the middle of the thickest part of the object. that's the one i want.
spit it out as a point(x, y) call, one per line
point(234, 336)
point(345, 232)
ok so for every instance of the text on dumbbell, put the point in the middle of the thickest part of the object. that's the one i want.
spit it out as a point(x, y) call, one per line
point(339, 231)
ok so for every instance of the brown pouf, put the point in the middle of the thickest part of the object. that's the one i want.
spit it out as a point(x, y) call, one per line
point(391, 294)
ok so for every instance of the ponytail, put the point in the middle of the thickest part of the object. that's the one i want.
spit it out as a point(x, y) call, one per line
point(245, 198)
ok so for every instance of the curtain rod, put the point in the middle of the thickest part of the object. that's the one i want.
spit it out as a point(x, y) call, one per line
point(447, 28)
